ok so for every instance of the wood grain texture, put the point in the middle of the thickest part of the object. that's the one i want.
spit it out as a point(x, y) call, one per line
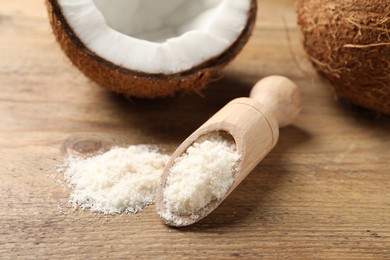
point(323, 192)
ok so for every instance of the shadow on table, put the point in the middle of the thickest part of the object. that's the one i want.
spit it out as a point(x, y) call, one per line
point(363, 117)
point(172, 119)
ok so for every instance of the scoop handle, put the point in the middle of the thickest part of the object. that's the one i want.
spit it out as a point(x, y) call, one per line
point(280, 96)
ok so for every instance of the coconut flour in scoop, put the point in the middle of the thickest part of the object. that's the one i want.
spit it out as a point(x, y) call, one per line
point(204, 173)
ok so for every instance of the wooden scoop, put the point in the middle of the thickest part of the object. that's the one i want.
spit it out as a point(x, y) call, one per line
point(253, 123)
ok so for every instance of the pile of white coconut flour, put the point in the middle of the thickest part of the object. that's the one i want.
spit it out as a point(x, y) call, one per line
point(125, 180)
point(122, 180)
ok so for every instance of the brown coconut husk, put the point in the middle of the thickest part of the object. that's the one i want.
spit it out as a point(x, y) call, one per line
point(136, 83)
point(348, 42)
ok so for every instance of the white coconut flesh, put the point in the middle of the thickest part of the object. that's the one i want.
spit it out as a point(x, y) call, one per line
point(157, 36)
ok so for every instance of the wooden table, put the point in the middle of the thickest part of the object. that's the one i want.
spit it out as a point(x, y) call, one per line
point(323, 192)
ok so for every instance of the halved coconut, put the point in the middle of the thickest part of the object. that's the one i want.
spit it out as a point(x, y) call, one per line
point(151, 48)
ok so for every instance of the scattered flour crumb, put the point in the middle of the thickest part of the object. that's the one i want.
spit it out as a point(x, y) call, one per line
point(122, 180)
point(204, 173)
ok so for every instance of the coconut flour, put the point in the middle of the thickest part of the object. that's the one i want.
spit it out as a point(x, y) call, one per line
point(124, 180)
point(203, 174)
point(120, 180)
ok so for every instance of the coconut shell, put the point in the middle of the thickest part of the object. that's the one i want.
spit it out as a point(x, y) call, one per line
point(136, 83)
point(348, 42)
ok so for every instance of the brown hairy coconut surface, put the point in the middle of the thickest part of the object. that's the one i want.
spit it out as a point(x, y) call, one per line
point(348, 42)
point(136, 83)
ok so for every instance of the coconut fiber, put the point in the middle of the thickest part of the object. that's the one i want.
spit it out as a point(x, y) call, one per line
point(348, 42)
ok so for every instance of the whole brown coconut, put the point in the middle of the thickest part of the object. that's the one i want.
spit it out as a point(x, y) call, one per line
point(137, 83)
point(348, 42)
